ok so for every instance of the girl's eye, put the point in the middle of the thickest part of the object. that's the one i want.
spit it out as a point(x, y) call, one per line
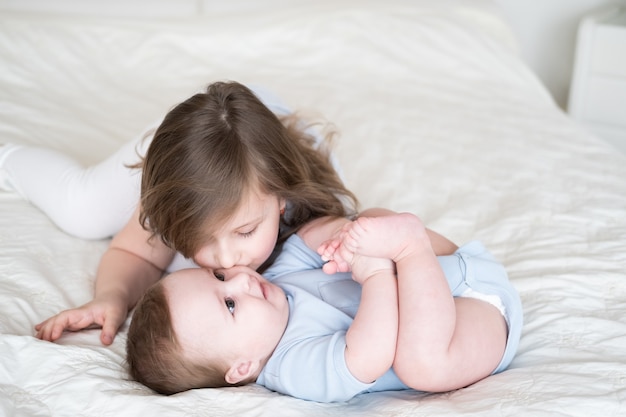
point(247, 234)
point(219, 276)
point(230, 305)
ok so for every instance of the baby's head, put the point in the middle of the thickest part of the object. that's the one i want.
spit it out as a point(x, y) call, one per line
point(199, 329)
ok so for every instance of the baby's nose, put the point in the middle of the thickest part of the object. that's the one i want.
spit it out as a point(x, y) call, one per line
point(241, 280)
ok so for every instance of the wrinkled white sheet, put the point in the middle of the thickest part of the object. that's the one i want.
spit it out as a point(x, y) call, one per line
point(436, 115)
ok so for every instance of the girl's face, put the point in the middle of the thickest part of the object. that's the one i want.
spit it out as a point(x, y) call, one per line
point(247, 238)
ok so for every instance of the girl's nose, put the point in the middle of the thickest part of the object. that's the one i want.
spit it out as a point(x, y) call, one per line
point(225, 259)
point(217, 256)
point(226, 255)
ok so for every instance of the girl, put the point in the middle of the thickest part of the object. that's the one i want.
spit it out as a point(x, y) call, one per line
point(224, 182)
point(204, 157)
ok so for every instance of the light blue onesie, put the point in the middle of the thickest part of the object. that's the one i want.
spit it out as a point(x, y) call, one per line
point(309, 360)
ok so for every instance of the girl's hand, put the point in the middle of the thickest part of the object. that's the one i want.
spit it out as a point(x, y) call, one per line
point(106, 312)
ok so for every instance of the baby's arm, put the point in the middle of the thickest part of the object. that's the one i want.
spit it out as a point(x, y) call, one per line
point(371, 338)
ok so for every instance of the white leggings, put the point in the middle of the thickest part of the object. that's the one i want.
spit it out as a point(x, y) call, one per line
point(94, 202)
point(90, 203)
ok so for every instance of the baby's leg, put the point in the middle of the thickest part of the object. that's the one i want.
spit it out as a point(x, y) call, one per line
point(90, 203)
point(384, 236)
point(392, 236)
point(443, 343)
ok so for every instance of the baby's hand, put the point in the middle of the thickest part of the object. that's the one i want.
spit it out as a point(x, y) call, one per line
point(328, 248)
point(334, 261)
point(332, 251)
point(342, 259)
point(343, 255)
point(107, 313)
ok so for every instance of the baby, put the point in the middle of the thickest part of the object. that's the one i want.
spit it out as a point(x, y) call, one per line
point(403, 318)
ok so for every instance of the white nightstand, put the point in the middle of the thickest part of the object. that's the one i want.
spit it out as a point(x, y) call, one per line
point(597, 95)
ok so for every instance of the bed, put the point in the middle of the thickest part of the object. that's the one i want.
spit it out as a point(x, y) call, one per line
point(436, 114)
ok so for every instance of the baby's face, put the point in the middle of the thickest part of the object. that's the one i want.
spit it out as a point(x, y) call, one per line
point(227, 313)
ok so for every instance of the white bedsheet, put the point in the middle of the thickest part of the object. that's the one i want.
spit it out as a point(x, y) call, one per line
point(436, 114)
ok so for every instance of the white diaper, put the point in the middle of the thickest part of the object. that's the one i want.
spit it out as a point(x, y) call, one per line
point(494, 300)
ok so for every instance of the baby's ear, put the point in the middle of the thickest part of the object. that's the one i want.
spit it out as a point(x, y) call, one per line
point(240, 371)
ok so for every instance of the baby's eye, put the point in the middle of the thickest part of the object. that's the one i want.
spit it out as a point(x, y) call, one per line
point(230, 305)
point(219, 276)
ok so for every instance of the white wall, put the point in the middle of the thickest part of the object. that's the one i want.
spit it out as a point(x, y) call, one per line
point(547, 34)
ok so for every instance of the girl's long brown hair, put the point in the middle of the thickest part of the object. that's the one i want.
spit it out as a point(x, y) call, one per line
point(212, 147)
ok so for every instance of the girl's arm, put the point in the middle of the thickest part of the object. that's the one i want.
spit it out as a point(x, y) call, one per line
point(128, 267)
point(317, 231)
point(132, 262)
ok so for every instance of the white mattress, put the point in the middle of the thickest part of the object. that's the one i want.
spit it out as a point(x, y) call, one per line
point(436, 114)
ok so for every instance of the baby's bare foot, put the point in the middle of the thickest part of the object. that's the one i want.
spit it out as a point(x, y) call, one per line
point(364, 267)
point(391, 237)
